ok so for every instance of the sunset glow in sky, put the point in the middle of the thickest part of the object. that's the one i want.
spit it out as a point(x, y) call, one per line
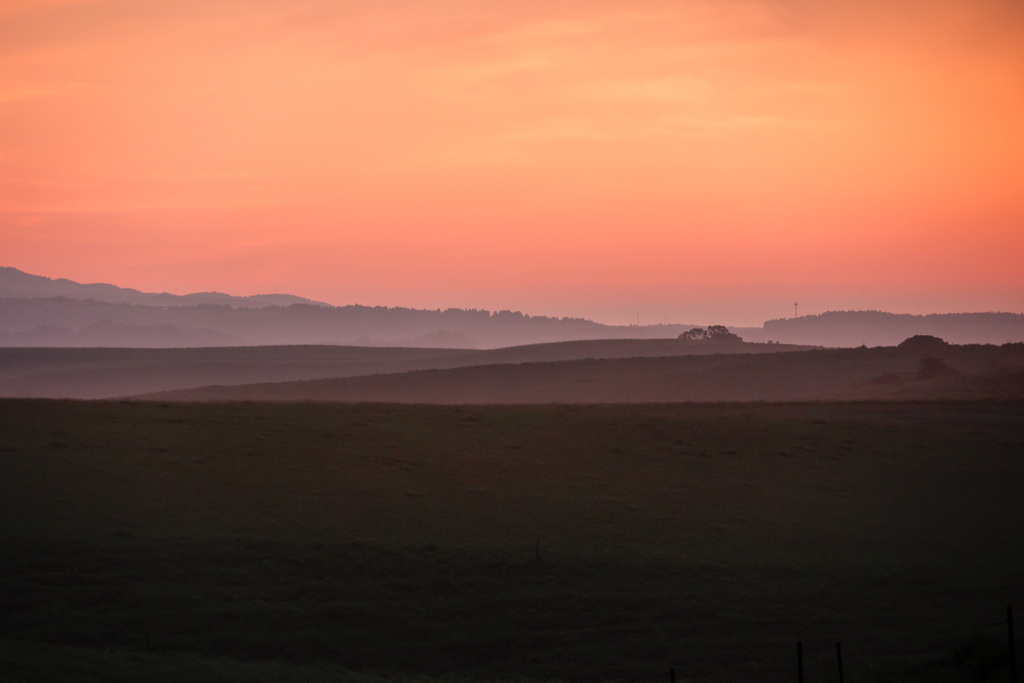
point(698, 161)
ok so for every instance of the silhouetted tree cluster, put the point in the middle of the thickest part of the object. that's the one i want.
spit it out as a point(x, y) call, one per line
point(714, 333)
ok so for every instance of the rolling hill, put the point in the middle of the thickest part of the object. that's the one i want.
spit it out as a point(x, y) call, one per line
point(96, 373)
point(891, 373)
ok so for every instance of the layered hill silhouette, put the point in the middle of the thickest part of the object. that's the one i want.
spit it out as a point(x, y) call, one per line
point(38, 311)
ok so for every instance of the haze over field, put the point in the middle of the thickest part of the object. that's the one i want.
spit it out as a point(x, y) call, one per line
point(688, 162)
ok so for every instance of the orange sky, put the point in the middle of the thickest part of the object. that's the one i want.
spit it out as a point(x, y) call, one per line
point(696, 161)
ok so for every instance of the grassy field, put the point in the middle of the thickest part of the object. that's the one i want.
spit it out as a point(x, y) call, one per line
point(363, 542)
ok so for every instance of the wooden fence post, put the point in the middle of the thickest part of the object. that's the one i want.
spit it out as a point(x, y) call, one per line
point(839, 659)
point(1013, 648)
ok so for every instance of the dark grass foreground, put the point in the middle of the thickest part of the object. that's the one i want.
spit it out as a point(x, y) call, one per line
point(261, 542)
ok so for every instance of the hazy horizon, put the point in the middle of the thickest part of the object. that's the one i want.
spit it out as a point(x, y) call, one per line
point(689, 162)
point(638, 321)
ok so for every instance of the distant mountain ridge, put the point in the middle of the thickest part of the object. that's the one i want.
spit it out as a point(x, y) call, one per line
point(70, 322)
point(40, 311)
point(17, 284)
